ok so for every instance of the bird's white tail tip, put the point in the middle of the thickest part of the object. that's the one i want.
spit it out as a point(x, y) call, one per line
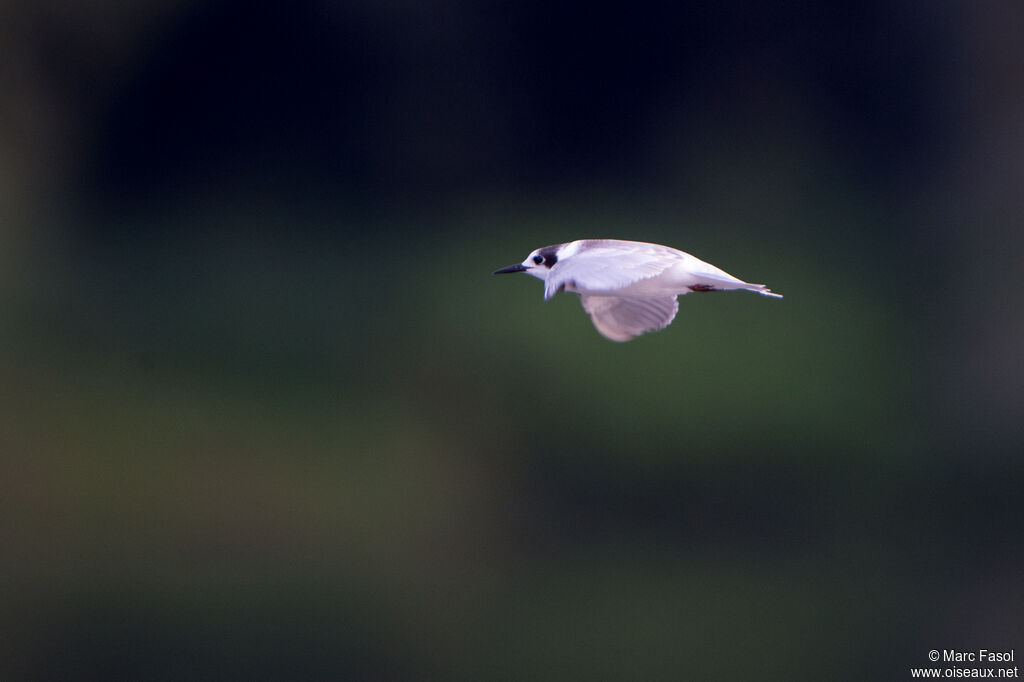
point(765, 291)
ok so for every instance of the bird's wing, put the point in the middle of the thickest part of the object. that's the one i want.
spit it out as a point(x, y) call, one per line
point(607, 265)
point(620, 319)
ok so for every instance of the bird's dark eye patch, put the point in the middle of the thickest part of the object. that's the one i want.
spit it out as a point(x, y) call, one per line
point(549, 254)
point(538, 260)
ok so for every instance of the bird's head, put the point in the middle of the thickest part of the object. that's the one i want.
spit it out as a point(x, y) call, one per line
point(538, 263)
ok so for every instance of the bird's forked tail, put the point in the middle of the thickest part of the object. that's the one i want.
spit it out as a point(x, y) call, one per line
point(763, 290)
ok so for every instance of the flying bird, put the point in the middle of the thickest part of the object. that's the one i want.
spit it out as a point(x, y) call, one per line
point(627, 288)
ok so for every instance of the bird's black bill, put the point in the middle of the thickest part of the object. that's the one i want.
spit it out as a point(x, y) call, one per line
point(518, 267)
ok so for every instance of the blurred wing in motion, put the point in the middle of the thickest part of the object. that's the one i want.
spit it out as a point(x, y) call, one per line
point(621, 319)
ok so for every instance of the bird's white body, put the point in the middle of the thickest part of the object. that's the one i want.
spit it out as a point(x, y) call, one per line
point(627, 288)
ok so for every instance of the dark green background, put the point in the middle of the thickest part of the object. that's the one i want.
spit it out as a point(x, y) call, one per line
point(264, 413)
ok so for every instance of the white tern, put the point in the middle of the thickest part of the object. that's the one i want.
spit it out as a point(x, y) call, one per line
point(627, 288)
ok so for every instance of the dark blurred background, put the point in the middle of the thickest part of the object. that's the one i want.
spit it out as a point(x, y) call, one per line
point(264, 413)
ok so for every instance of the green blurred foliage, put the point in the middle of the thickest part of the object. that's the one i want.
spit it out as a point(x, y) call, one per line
point(259, 420)
point(267, 456)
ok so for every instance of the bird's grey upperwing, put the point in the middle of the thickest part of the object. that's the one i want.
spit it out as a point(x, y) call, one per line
point(621, 318)
point(608, 265)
